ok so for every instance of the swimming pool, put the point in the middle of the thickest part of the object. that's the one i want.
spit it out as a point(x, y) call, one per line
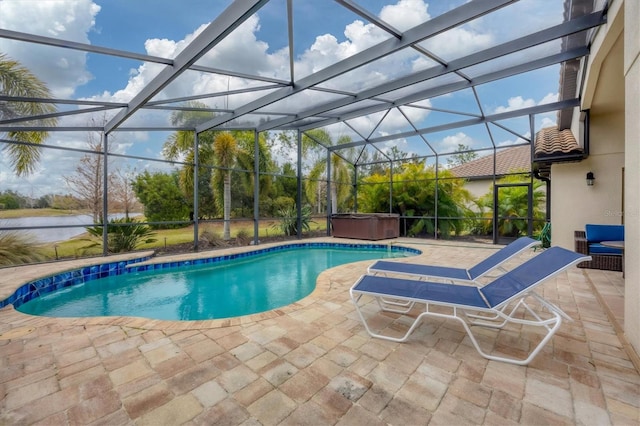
point(212, 288)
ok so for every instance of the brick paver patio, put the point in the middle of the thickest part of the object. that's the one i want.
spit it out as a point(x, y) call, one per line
point(312, 363)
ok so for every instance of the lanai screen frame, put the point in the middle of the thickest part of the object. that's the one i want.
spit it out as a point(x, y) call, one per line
point(575, 32)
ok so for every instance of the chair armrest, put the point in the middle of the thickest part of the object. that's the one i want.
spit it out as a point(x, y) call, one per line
point(581, 243)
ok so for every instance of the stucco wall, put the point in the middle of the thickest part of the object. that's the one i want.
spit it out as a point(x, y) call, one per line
point(632, 172)
point(612, 94)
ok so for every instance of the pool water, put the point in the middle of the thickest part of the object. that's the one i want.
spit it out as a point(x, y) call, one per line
point(221, 290)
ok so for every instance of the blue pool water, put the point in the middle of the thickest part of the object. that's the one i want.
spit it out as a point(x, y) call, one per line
point(222, 289)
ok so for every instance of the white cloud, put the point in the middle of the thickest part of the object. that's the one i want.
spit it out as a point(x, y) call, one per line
point(518, 102)
point(64, 70)
point(549, 98)
point(61, 69)
point(450, 143)
point(405, 14)
point(515, 103)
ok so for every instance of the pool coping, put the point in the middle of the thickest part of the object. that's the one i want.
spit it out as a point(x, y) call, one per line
point(148, 260)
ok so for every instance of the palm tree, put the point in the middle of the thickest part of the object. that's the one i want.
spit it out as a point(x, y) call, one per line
point(180, 143)
point(225, 148)
point(18, 81)
point(341, 173)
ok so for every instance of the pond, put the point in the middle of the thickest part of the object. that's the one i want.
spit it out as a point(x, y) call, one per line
point(49, 235)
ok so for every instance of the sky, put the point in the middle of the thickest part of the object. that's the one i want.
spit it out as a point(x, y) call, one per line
point(324, 33)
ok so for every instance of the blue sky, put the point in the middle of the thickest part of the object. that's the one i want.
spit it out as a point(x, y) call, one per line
point(324, 33)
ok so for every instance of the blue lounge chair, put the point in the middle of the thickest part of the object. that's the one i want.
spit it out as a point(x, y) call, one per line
point(471, 275)
point(494, 305)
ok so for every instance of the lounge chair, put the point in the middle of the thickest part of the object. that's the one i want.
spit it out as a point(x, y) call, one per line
point(494, 305)
point(452, 274)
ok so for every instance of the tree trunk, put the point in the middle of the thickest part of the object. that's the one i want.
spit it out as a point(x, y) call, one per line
point(334, 198)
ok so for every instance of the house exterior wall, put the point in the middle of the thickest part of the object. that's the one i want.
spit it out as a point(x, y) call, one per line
point(614, 145)
point(573, 203)
point(478, 187)
point(632, 173)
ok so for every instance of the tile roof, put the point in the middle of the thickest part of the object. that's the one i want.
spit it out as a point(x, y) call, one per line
point(552, 142)
point(508, 160)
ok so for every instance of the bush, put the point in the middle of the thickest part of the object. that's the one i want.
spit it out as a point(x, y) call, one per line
point(122, 236)
point(243, 237)
point(16, 249)
point(288, 224)
point(210, 238)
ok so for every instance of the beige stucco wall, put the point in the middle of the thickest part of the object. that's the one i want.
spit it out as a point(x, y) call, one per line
point(632, 173)
point(573, 203)
point(612, 95)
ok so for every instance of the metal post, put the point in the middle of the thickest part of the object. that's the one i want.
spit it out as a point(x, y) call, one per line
point(355, 188)
point(196, 206)
point(329, 205)
point(299, 188)
point(435, 201)
point(256, 188)
point(105, 200)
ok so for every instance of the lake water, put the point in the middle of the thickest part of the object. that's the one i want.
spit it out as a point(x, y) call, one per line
point(49, 235)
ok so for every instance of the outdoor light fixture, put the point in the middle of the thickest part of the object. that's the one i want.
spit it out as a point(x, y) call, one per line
point(590, 179)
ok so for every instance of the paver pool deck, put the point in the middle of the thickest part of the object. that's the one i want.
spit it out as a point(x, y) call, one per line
point(312, 363)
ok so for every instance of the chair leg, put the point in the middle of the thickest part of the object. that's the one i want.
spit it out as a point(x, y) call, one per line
point(382, 336)
point(556, 322)
point(552, 325)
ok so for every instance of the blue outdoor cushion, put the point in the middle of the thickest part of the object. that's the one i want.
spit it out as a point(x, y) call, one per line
point(597, 248)
point(597, 233)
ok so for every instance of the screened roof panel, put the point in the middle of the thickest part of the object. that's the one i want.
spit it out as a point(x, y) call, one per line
point(366, 125)
point(493, 29)
point(431, 84)
point(258, 64)
point(258, 56)
point(326, 32)
point(460, 101)
point(516, 128)
point(395, 121)
point(345, 111)
point(339, 133)
point(448, 142)
point(519, 91)
point(394, 66)
point(518, 59)
point(404, 147)
point(369, 153)
point(503, 137)
point(423, 118)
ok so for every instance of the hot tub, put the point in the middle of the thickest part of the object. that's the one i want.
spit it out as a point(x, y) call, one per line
point(366, 226)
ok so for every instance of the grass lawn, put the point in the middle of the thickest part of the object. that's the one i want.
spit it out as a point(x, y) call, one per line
point(168, 238)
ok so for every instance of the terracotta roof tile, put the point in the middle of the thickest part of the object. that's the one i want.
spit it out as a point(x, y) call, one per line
point(508, 160)
point(551, 141)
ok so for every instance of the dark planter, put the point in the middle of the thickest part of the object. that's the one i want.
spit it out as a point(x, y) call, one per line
point(366, 226)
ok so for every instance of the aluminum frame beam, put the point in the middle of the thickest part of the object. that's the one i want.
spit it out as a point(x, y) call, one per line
point(230, 19)
point(513, 46)
point(437, 25)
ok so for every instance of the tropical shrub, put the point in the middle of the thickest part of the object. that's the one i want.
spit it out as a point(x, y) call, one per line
point(513, 203)
point(123, 235)
point(212, 238)
point(243, 237)
point(162, 198)
point(414, 198)
point(16, 249)
point(288, 223)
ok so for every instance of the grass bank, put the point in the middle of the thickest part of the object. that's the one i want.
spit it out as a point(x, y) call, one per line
point(173, 240)
point(18, 213)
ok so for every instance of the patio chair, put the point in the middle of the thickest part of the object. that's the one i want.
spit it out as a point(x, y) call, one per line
point(501, 302)
point(452, 274)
